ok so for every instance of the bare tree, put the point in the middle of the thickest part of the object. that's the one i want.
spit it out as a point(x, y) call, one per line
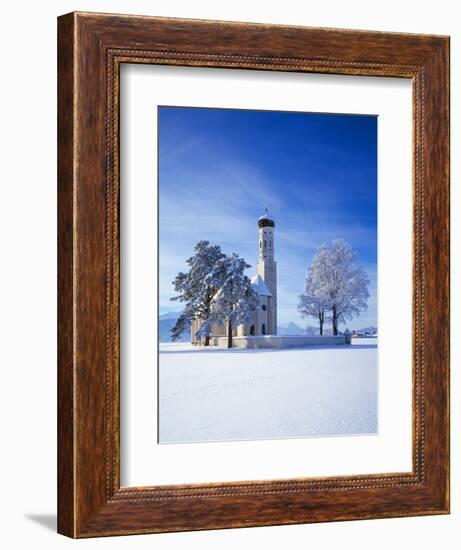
point(311, 302)
point(336, 283)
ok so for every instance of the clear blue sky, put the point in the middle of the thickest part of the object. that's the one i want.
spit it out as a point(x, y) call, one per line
point(317, 172)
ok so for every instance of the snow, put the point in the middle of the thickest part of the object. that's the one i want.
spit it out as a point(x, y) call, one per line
point(216, 394)
point(265, 216)
point(260, 286)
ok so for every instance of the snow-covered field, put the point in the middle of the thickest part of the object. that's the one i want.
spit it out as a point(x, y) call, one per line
point(218, 394)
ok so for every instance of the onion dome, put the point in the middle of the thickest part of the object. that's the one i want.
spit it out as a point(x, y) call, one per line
point(265, 220)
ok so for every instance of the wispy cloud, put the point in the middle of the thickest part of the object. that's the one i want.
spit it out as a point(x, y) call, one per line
point(231, 221)
point(210, 189)
point(184, 147)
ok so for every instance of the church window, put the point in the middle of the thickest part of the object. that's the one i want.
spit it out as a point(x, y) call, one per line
point(252, 330)
point(263, 329)
point(265, 243)
point(263, 307)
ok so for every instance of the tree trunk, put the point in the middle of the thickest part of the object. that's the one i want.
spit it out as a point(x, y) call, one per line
point(207, 314)
point(334, 319)
point(321, 320)
point(229, 334)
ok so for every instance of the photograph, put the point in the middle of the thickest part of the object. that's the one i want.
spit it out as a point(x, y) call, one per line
point(267, 274)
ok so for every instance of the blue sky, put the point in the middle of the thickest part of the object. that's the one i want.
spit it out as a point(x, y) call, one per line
point(317, 172)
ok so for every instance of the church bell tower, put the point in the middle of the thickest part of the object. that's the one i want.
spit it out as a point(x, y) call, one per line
point(267, 267)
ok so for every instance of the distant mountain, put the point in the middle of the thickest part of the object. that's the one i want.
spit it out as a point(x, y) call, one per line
point(170, 315)
point(369, 330)
point(166, 323)
point(290, 329)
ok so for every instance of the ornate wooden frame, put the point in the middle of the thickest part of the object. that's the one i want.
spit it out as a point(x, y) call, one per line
point(91, 48)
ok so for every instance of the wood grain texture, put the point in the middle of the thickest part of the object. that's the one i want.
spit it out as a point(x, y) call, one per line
point(66, 108)
point(91, 49)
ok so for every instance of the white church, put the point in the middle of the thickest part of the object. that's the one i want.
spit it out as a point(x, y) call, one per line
point(261, 332)
point(264, 320)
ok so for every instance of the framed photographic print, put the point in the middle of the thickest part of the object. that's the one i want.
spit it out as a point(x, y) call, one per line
point(253, 275)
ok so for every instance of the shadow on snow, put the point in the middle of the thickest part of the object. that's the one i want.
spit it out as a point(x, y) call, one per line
point(214, 349)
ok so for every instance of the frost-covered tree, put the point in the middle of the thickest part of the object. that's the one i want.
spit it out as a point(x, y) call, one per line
point(312, 303)
point(235, 298)
point(335, 281)
point(193, 289)
point(343, 282)
point(183, 323)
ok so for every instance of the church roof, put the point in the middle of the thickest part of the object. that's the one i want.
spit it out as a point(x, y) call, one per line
point(258, 284)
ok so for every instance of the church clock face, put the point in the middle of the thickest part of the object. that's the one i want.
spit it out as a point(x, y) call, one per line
point(267, 295)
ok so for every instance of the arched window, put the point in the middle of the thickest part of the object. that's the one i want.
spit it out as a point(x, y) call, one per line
point(264, 307)
point(263, 329)
point(265, 243)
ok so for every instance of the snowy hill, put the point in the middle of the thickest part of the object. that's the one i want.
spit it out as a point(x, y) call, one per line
point(170, 315)
point(369, 330)
point(290, 329)
point(166, 323)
